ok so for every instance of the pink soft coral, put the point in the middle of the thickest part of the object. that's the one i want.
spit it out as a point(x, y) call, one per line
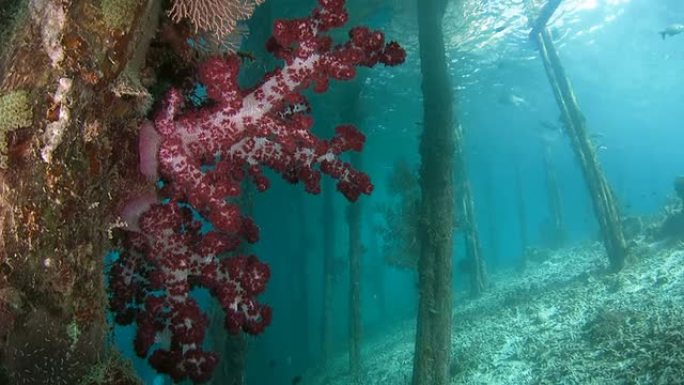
point(202, 157)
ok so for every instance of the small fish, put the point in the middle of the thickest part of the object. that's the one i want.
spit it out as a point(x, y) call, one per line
point(517, 100)
point(296, 380)
point(672, 30)
point(500, 29)
point(511, 99)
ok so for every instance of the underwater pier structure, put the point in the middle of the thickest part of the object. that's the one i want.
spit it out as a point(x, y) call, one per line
point(558, 233)
point(437, 151)
point(605, 206)
point(467, 223)
point(522, 217)
point(354, 215)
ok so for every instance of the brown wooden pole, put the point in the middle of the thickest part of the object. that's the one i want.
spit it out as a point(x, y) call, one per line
point(433, 332)
point(328, 218)
point(354, 219)
point(71, 71)
point(605, 207)
point(555, 202)
point(351, 114)
point(468, 224)
point(544, 16)
point(522, 216)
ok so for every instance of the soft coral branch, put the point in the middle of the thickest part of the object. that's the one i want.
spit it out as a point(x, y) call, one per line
point(202, 157)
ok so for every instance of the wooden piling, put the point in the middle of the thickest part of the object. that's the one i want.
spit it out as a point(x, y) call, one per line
point(605, 206)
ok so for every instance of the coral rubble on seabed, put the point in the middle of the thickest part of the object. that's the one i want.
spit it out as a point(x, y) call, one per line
point(562, 321)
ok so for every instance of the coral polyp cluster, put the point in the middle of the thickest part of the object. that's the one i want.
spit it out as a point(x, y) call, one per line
point(170, 255)
point(203, 155)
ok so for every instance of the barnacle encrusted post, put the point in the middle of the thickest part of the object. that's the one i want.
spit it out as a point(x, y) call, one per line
point(67, 146)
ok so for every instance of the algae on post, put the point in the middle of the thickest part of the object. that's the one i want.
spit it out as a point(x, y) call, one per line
point(15, 112)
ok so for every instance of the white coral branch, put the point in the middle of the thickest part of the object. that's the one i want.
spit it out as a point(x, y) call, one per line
point(219, 17)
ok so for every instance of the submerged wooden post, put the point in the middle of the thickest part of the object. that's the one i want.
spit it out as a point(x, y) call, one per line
point(544, 16)
point(522, 217)
point(301, 282)
point(433, 331)
point(467, 220)
point(232, 368)
point(355, 222)
point(605, 207)
point(350, 113)
point(555, 203)
point(328, 227)
point(490, 203)
point(70, 108)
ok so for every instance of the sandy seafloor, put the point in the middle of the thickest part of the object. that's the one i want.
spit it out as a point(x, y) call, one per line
point(564, 320)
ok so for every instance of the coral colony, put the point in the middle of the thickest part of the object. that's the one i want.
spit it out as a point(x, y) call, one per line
point(167, 254)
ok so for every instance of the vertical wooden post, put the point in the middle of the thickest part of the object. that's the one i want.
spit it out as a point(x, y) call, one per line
point(555, 203)
point(350, 114)
point(467, 218)
point(491, 204)
point(329, 227)
point(378, 274)
point(232, 367)
point(354, 214)
point(522, 217)
point(433, 331)
point(302, 281)
point(68, 157)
